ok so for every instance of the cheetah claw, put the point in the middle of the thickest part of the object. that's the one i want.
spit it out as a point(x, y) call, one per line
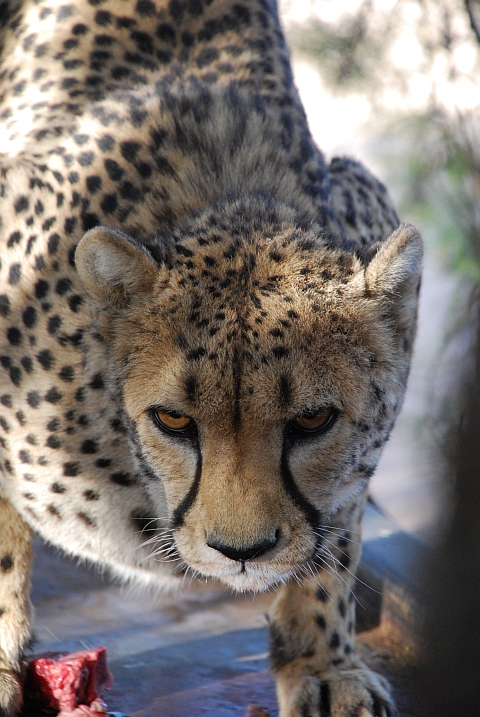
point(341, 693)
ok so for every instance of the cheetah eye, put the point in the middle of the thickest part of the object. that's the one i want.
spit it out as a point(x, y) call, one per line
point(311, 423)
point(173, 422)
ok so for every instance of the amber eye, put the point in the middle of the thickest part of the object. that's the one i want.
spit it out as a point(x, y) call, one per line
point(173, 422)
point(313, 422)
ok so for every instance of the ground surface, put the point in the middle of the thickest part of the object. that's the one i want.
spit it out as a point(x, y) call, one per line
point(203, 652)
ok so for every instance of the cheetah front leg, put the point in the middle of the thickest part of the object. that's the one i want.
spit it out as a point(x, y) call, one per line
point(15, 559)
point(312, 633)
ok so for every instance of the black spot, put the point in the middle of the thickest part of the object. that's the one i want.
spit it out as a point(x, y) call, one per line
point(90, 494)
point(196, 354)
point(97, 382)
point(320, 620)
point(114, 170)
point(53, 395)
point(105, 143)
point(166, 33)
point(143, 41)
point(103, 18)
point(206, 56)
point(29, 317)
point(52, 244)
point(103, 462)
point(122, 478)
point(53, 324)
point(94, 182)
point(130, 191)
point(14, 336)
point(14, 274)
point(87, 519)
point(345, 561)
point(109, 203)
point(25, 457)
point(63, 285)
point(146, 8)
point(85, 159)
point(117, 425)
point(53, 510)
point(64, 11)
point(6, 563)
point(334, 640)
point(4, 424)
point(46, 359)
point(53, 442)
point(14, 238)
point(6, 400)
point(285, 390)
point(129, 150)
point(21, 204)
point(75, 302)
point(53, 424)
point(27, 363)
point(89, 221)
point(341, 607)
point(191, 387)
point(21, 418)
point(67, 373)
point(79, 29)
point(71, 469)
point(322, 594)
point(33, 399)
point(280, 352)
point(89, 446)
point(4, 305)
point(41, 288)
point(48, 223)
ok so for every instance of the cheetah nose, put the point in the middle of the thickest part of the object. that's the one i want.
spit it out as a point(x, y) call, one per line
point(244, 552)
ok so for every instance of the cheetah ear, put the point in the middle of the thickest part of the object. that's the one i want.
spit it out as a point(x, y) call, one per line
point(393, 275)
point(114, 267)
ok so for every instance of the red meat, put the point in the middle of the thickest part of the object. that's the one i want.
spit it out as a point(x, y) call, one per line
point(62, 683)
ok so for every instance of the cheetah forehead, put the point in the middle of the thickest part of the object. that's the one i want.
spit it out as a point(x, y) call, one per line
point(231, 320)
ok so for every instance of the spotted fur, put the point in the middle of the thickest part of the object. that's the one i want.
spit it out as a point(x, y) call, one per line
point(226, 273)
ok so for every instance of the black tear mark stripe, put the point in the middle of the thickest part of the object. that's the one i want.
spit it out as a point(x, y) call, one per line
point(309, 511)
point(178, 518)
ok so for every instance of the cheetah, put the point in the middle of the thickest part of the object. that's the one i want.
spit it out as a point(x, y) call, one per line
point(205, 330)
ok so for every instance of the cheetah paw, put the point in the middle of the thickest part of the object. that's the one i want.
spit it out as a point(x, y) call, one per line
point(355, 692)
point(10, 693)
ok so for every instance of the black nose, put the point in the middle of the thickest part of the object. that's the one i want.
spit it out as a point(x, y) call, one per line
point(244, 552)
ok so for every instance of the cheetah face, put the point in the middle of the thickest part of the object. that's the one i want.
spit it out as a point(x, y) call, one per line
point(260, 371)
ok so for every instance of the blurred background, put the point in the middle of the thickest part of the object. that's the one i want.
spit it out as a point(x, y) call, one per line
point(395, 84)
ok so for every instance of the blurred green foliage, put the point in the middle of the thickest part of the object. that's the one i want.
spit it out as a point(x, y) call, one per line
point(432, 152)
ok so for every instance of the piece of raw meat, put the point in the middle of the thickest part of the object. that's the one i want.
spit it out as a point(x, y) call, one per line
point(62, 682)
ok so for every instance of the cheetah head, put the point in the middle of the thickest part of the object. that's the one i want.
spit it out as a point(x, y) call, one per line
point(260, 369)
